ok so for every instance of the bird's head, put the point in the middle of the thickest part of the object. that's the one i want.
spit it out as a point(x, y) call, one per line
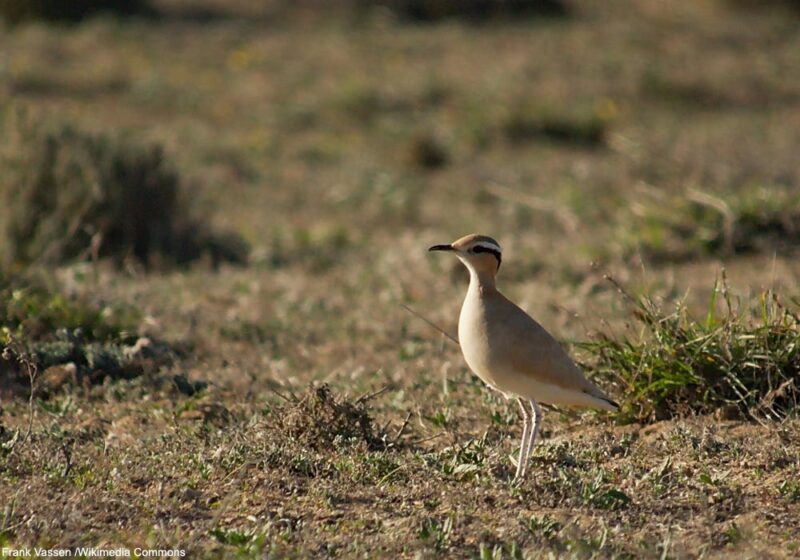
point(480, 253)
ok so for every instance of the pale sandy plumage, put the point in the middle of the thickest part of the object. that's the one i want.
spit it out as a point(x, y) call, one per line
point(510, 351)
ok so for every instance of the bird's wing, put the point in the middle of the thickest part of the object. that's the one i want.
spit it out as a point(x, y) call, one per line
point(533, 352)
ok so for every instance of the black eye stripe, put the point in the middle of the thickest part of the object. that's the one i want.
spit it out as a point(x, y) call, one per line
point(482, 249)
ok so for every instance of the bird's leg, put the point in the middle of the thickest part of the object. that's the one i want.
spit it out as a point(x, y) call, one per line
point(536, 422)
point(523, 453)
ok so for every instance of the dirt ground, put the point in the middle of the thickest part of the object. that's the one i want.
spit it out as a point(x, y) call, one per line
point(340, 149)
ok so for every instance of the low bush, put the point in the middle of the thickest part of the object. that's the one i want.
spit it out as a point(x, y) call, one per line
point(676, 365)
point(73, 195)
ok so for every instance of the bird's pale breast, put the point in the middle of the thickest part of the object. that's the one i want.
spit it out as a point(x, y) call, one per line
point(474, 338)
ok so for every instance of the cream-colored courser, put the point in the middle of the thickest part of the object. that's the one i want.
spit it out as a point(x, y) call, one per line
point(510, 351)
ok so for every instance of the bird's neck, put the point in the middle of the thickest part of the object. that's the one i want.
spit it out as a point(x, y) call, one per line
point(481, 280)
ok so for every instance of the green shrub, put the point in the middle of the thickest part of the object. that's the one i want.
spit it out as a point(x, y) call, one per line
point(73, 195)
point(36, 313)
point(41, 328)
point(676, 365)
point(15, 11)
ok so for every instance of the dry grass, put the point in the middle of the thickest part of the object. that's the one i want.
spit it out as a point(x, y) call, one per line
point(312, 140)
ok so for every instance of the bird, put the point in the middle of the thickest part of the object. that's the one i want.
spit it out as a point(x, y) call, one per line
point(511, 352)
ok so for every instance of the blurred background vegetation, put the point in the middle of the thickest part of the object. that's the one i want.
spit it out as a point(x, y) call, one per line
point(537, 115)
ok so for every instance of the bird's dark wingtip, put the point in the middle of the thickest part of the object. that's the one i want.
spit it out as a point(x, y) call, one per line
point(602, 397)
point(613, 403)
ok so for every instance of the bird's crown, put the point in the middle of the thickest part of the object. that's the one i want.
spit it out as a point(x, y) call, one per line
point(474, 243)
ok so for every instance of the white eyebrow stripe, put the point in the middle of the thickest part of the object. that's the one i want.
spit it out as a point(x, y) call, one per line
point(487, 245)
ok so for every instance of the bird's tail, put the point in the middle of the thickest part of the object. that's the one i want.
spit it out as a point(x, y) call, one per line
point(602, 400)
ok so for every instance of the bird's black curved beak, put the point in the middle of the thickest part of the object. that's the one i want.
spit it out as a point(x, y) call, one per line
point(447, 247)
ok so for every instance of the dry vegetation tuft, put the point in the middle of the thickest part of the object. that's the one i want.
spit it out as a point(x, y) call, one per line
point(320, 419)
